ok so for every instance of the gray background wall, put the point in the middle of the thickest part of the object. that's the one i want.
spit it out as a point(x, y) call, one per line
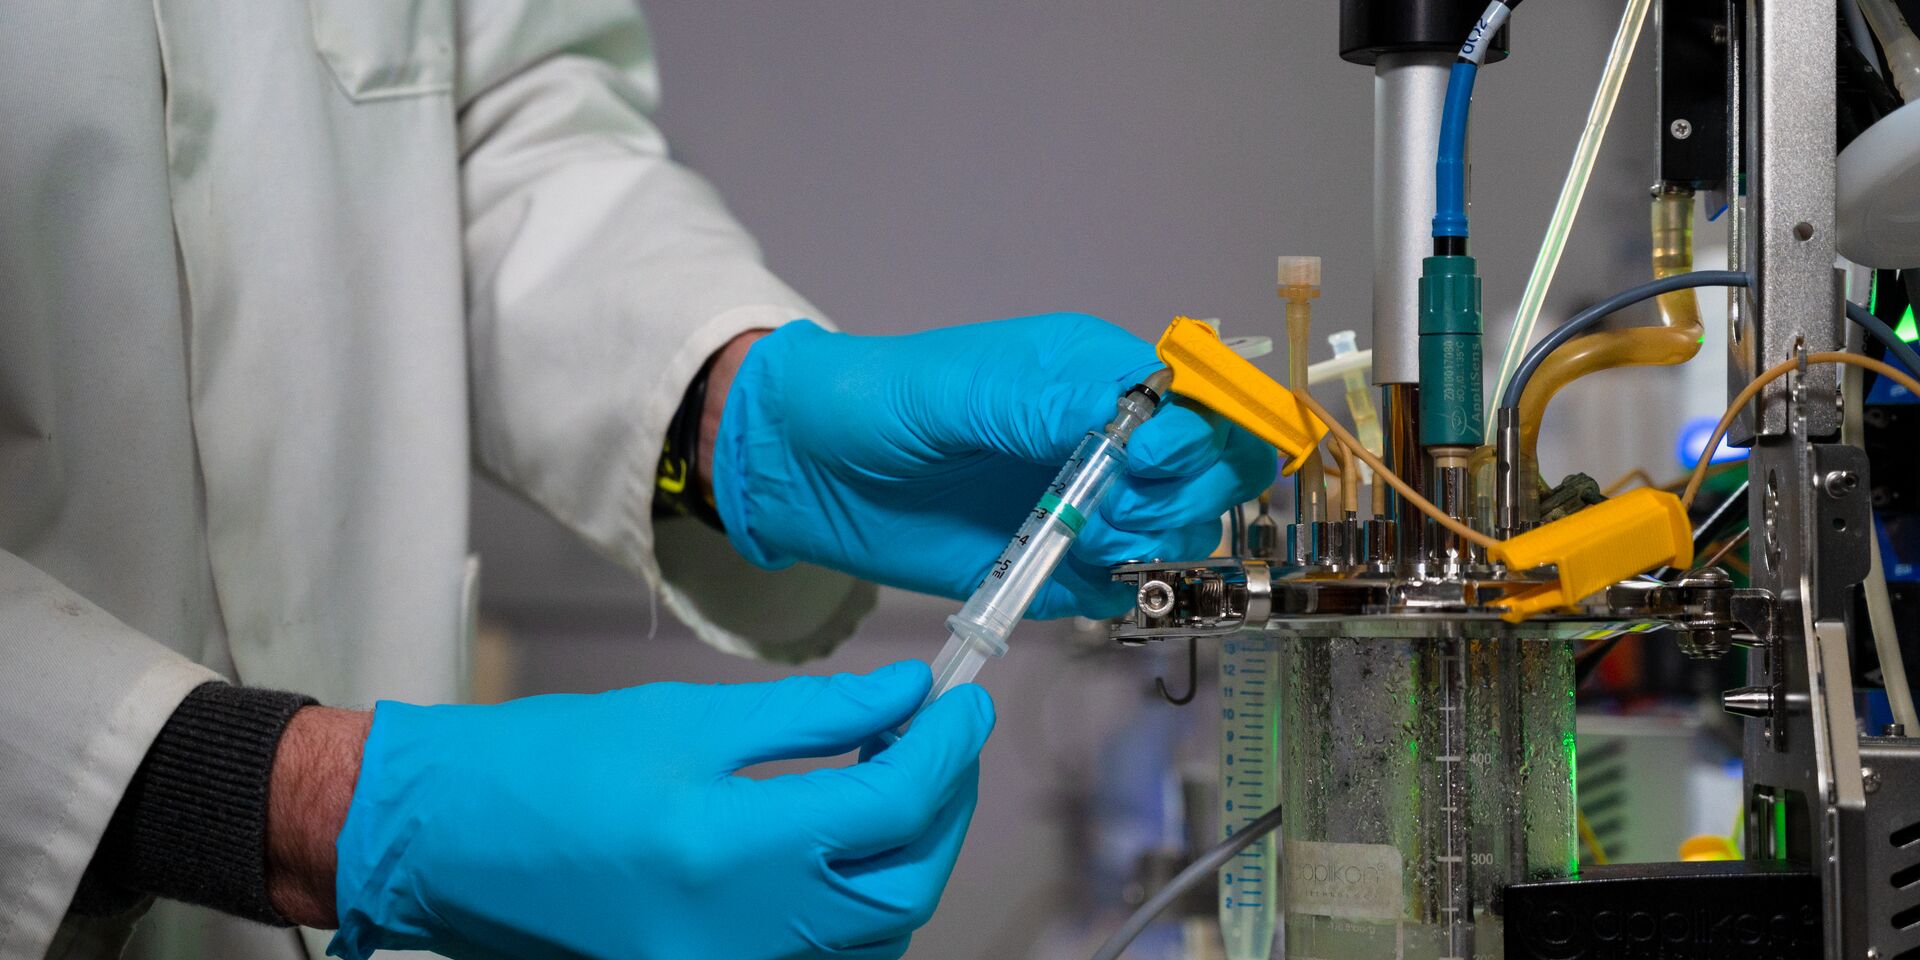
point(916, 164)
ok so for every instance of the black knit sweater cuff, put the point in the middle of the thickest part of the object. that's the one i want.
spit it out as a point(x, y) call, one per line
point(193, 823)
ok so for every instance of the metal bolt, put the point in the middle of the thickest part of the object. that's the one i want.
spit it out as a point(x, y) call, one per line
point(1840, 483)
point(1894, 730)
point(1681, 129)
point(1870, 779)
point(1156, 598)
point(1705, 577)
point(1705, 640)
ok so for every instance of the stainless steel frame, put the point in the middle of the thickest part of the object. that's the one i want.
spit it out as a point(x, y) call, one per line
point(1804, 750)
point(1788, 98)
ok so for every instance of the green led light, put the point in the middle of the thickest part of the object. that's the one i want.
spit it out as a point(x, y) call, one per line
point(1779, 829)
point(1907, 330)
point(1570, 744)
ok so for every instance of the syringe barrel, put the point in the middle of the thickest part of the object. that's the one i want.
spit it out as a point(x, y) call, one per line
point(1050, 528)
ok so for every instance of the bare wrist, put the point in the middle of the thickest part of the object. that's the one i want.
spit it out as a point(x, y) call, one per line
point(726, 363)
point(314, 773)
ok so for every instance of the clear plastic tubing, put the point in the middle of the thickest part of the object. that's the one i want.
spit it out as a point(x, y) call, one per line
point(1366, 418)
point(981, 628)
point(1897, 39)
point(1599, 115)
point(1249, 787)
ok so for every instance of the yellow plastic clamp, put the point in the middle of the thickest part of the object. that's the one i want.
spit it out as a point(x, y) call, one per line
point(1207, 372)
point(1626, 536)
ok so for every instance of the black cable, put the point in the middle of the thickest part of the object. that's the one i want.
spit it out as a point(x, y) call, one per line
point(1580, 322)
point(1195, 872)
point(1733, 506)
point(1883, 333)
point(1703, 534)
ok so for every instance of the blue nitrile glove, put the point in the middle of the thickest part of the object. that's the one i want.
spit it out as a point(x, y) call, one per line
point(614, 826)
point(911, 460)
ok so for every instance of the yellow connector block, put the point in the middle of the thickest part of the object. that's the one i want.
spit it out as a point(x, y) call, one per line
point(1626, 536)
point(1208, 373)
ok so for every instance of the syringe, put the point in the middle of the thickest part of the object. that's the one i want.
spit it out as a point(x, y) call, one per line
point(981, 628)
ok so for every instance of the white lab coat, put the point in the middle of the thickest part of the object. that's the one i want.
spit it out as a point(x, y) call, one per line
point(274, 274)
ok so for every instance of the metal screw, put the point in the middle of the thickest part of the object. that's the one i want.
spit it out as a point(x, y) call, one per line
point(1705, 577)
point(1840, 483)
point(1681, 129)
point(1870, 779)
point(1156, 598)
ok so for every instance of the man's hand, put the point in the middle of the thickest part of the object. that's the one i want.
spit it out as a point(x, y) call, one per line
point(910, 460)
point(307, 797)
point(617, 825)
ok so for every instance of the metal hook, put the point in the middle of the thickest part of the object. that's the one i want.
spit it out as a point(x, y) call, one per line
point(1193, 678)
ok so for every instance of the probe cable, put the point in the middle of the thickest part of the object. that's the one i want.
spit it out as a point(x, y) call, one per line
point(1729, 509)
point(1450, 168)
point(1728, 547)
point(1773, 373)
point(1883, 333)
point(1707, 531)
point(1382, 471)
point(1699, 474)
point(1198, 870)
point(1580, 322)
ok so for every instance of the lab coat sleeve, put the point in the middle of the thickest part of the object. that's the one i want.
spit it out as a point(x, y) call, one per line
point(81, 698)
point(601, 275)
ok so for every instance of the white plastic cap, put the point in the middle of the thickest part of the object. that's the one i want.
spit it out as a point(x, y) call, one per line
point(1299, 271)
point(1343, 342)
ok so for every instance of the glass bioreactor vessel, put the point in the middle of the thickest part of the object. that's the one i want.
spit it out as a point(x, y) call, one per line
point(1394, 678)
point(1425, 767)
